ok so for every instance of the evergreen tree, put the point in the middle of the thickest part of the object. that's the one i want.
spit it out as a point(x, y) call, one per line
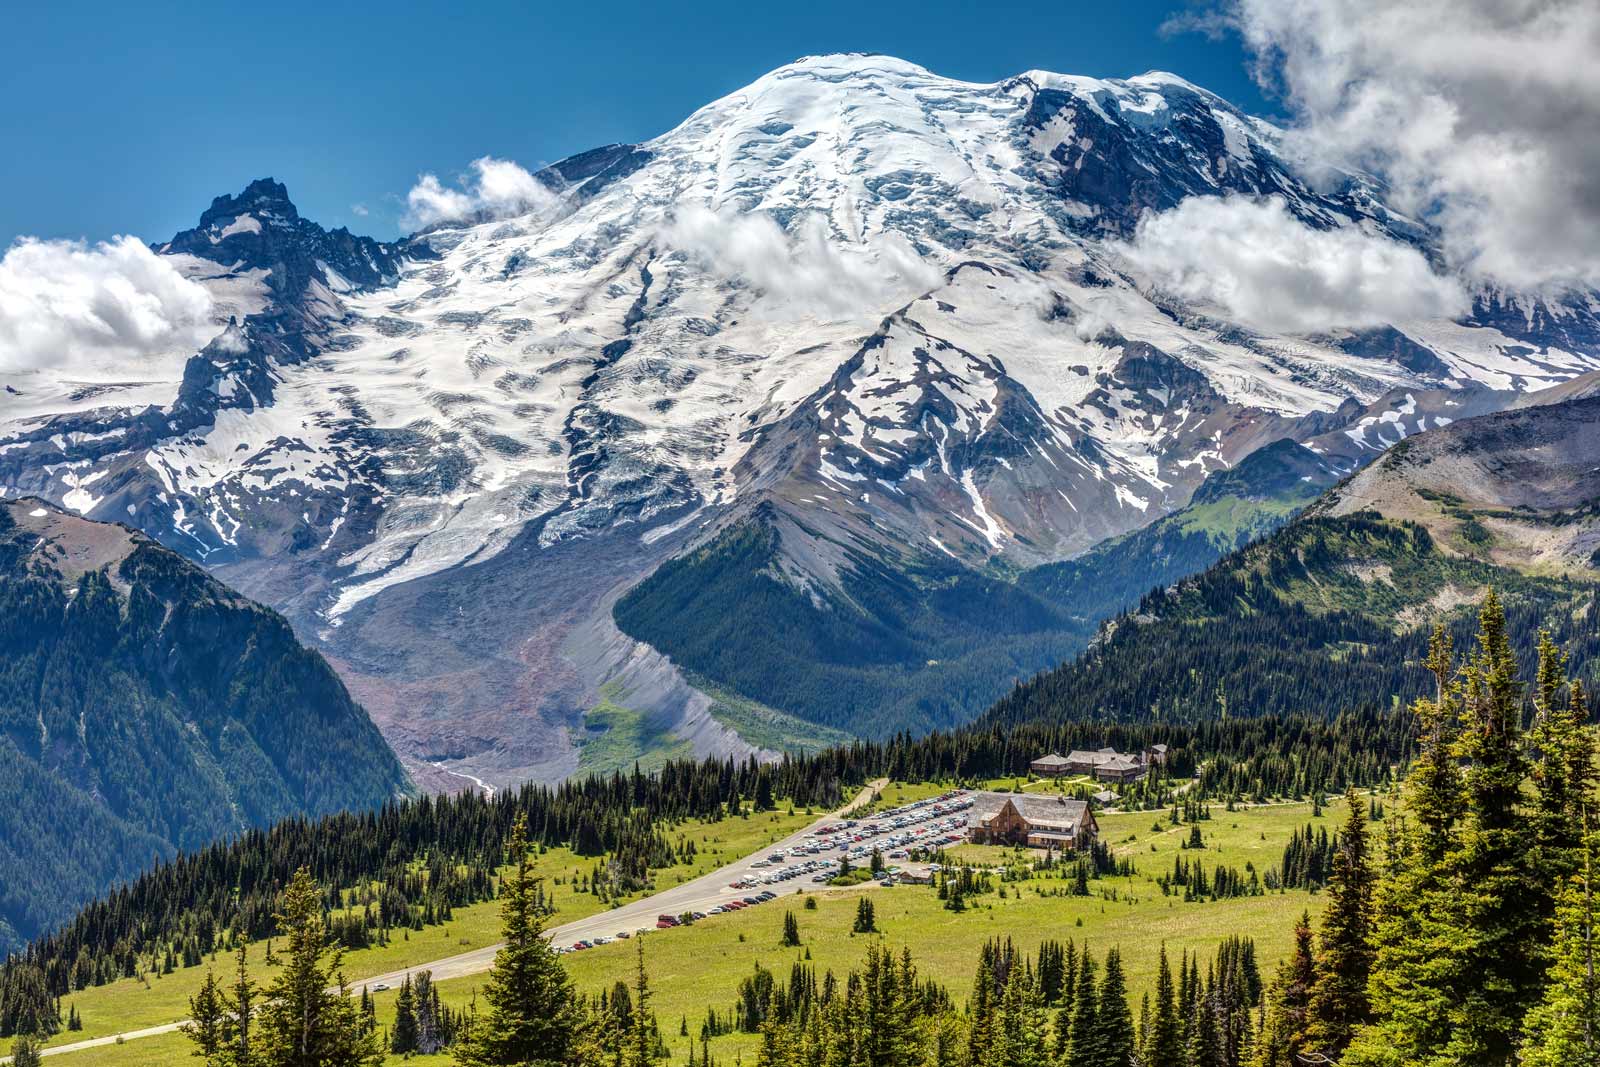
point(403, 1037)
point(430, 1038)
point(791, 930)
point(642, 1040)
point(1083, 1040)
point(1115, 1039)
point(238, 1026)
point(1339, 997)
point(1287, 1010)
point(1203, 1040)
point(302, 1022)
point(1461, 924)
point(1495, 915)
point(1563, 1029)
point(25, 1052)
point(1163, 1046)
point(208, 1017)
point(866, 921)
point(533, 1016)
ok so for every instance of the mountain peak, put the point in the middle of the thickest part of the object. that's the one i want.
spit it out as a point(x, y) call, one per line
point(262, 197)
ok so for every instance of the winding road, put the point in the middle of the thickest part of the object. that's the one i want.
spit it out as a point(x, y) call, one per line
point(699, 894)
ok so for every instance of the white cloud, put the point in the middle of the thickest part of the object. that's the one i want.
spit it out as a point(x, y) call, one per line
point(1483, 115)
point(359, 210)
point(1267, 269)
point(803, 271)
point(109, 308)
point(496, 189)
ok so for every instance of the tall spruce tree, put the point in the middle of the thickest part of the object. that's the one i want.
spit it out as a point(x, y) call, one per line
point(1115, 1040)
point(403, 1035)
point(532, 1017)
point(1563, 1029)
point(25, 1052)
point(1288, 1004)
point(1461, 928)
point(303, 1022)
point(1083, 1039)
point(208, 1017)
point(1163, 1045)
point(1339, 997)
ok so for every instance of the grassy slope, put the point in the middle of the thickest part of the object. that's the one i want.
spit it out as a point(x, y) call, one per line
point(616, 737)
point(693, 967)
point(133, 1004)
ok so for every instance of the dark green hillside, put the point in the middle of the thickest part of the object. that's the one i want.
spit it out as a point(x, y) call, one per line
point(1230, 509)
point(1327, 614)
point(915, 646)
point(145, 708)
point(919, 643)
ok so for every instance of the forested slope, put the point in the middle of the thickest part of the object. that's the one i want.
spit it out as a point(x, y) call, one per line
point(922, 642)
point(145, 708)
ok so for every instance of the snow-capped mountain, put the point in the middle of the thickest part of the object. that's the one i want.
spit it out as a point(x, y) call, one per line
point(885, 305)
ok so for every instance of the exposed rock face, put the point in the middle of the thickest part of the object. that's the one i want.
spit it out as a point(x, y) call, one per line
point(1518, 488)
point(882, 309)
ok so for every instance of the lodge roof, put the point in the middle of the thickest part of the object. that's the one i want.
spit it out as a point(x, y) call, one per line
point(1038, 811)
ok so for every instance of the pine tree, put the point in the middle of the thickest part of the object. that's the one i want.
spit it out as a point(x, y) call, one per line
point(1115, 1038)
point(1563, 1029)
point(240, 1011)
point(1164, 1042)
point(302, 1022)
point(533, 1017)
point(25, 1052)
point(791, 930)
point(403, 1037)
point(641, 1043)
point(429, 1038)
point(1339, 997)
point(1083, 1040)
point(1204, 1040)
point(1461, 923)
point(1496, 916)
point(207, 1025)
point(1288, 1002)
point(866, 921)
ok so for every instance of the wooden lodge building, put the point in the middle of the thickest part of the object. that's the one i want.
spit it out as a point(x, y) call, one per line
point(1106, 764)
point(1046, 821)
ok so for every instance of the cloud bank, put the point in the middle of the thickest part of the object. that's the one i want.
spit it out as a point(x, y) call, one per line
point(802, 271)
point(495, 189)
point(1272, 272)
point(107, 308)
point(1483, 115)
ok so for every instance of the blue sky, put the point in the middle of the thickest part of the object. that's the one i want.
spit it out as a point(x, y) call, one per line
point(129, 118)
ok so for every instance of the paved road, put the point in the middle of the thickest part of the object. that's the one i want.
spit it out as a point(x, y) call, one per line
point(700, 894)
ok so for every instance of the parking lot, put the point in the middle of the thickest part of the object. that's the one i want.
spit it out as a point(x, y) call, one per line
point(807, 860)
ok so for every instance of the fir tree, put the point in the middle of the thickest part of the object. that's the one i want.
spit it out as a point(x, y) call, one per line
point(1083, 1040)
point(1288, 1003)
point(1115, 1039)
point(1163, 1045)
point(238, 1026)
point(791, 930)
point(403, 1036)
point(1563, 1029)
point(1339, 997)
point(866, 921)
point(533, 1017)
point(304, 1023)
point(207, 1025)
point(25, 1052)
point(640, 1050)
